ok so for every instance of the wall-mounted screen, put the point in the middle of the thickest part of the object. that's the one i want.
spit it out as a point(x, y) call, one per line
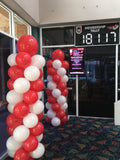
point(97, 34)
point(76, 62)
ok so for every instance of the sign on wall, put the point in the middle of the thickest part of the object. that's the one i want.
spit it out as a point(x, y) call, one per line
point(76, 62)
point(97, 34)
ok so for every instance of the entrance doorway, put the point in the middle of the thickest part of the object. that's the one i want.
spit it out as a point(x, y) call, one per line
point(97, 88)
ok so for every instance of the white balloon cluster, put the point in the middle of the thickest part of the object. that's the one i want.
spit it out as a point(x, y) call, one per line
point(24, 104)
point(56, 89)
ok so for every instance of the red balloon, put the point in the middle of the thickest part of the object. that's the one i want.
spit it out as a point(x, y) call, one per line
point(60, 114)
point(15, 72)
point(52, 71)
point(49, 92)
point(56, 78)
point(21, 154)
point(23, 59)
point(55, 107)
point(52, 99)
point(65, 92)
point(10, 130)
point(58, 54)
point(61, 86)
point(40, 116)
point(49, 63)
point(41, 73)
point(47, 119)
point(27, 43)
point(31, 158)
point(10, 84)
point(37, 130)
point(65, 64)
point(30, 144)
point(64, 119)
point(37, 85)
point(13, 121)
point(21, 109)
point(30, 97)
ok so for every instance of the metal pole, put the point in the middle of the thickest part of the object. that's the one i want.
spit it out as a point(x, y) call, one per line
point(116, 74)
point(77, 97)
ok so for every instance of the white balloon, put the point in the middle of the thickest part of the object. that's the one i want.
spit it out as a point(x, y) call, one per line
point(61, 71)
point(49, 78)
point(51, 113)
point(56, 92)
point(30, 120)
point(55, 121)
point(32, 73)
point(11, 153)
point(37, 107)
point(14, 97)
point(21, 85)
point(51, 85)
point(40, 137)
point(61, 100)
point(64, 78)
point(21, 133)
point(39, 95)
point(64, 106)
point(12, 144)
point(38, 61)
point(48, 105)
point(56, 64)
point(11, 59)
point(38, 152)
point(10, 107)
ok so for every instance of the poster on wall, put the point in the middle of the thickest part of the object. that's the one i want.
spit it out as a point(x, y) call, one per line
point(97, 34)
point(77, 56)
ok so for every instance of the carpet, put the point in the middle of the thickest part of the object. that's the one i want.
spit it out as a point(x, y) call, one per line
point(82, 139)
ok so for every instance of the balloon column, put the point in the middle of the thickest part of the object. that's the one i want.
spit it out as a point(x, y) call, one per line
point(24, 104)
point(56, 89)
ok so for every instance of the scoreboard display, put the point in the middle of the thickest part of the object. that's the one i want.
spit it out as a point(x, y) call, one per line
point(97, 34)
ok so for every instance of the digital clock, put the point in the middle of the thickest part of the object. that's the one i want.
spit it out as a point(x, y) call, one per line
point(97, 34)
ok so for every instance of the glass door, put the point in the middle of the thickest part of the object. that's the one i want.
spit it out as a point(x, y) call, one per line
point(97, 87)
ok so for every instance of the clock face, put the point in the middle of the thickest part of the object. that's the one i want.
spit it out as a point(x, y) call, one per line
point(97, 34)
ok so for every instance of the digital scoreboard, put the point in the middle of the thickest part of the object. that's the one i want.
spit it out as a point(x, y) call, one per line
point(97, 34)
point(76, 62)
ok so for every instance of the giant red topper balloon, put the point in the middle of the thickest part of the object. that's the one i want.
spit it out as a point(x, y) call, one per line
point(27, 43)
point(58, 54)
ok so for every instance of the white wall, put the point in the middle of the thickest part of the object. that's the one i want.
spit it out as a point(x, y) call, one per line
point(31, 7)
point(65, 11)
point(50, 12)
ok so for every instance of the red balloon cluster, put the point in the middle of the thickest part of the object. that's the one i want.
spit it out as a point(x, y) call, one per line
point(57, 89)
point(24, 104)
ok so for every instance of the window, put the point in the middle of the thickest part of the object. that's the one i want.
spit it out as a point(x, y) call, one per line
point(4, 20)
point(20, 27)
point(58, 36)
